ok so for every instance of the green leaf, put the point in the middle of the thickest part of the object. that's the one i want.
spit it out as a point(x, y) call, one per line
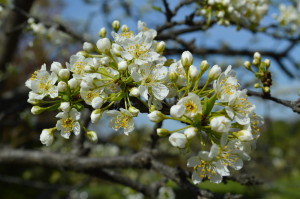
point(157, 9)
point(208, 105)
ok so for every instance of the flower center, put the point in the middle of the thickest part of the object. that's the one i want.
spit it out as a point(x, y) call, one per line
point(190, 106)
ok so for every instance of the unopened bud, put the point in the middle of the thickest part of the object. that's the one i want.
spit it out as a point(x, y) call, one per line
point(257, 85)
point(87, 46)
point(173, 76)
point(134, 111)
point(156, 116)
point(47, 137)
point(160, 47)
point(122, 65)
point(82, 53)
point(64, 74)
point(135, 92)
point(115, 25)
point(214, 72)
point(92, 136)
point(124, 28)
point(56, 67)
point(62, 86)
point(194, 72)
point(257, 55)
point(65, 106)
point(267, 62)
point(73, 83)
point(266, 89)
point(204, 66)
point(187, 59)
point(162, 132)
point(247, 65)
point(96, 115)
point(35, 110)
point(102, 32)
point(190, 132)
point(103, 45)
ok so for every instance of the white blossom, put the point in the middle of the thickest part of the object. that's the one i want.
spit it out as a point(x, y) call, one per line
point(121, 119)
point(220, 124)
point(47, 137)
point(178, 140)
point(68, 123)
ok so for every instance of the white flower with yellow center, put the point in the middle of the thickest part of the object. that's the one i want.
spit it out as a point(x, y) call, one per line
point(239, 108)
point(256, 121)
point(43, 84)
point(192, 105)
point(77, 65)
point(226, 85)
point(94, 97)
point(68, 123)
point(121, 119)
point(205, 166)
point(151, 81)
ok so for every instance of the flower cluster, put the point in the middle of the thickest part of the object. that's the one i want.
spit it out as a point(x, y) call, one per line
point(241, 12)
point(49, 32)
point(108, 76)
point(289, 17)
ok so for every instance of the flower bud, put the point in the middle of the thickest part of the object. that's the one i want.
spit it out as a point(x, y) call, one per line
point(214, 72)
point(88, 47)
point(162, 132)
point(64, 74)
point(47, 137)
point(134, 111)
point(156, 116)
point(56, 67)
point(73, 83)
point(124, 28)
point(116, 49)
point(173, 76)
point(122, 65)
point(187, 59)
point(160, 47)
point(190, 132)
point(62, 86)
point(177, 111)
point(267, 62)
point(115, 25)
point(244, 135)
point(35, 110)
point(220, 124)
point(257, 55)
point(65, 106)
point(82, 53)
point(247, 65)
point(204, 66)
point(135, 92)
point(102, 32)
point(103, 45)
point(178, 140)
point(266, 89)
point(97, 102)
point(257, 85)
point(96, 115)
point(194, 72)
point(92, 136)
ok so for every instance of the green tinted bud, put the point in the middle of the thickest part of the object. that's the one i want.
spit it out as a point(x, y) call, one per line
point(247, 65)
point(162, 132)
point(116, 25)
point(102, 32)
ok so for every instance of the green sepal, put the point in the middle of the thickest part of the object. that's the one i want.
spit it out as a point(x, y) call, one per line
point(79, 107)
point(208, 105)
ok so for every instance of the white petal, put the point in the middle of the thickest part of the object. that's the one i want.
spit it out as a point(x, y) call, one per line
point(160, 91)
